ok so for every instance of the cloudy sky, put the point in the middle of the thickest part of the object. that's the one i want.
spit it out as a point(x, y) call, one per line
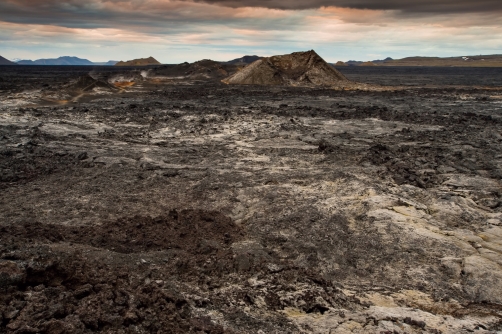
point(174, 31)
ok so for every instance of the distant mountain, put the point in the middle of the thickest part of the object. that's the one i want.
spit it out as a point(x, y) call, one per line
point(139, 62)
point(378, 61)
point(4, 61)
point(461, 61)
point(74, 61)
point(246, 60)
point(353, 63)
point(59, 61)
point(364, 63)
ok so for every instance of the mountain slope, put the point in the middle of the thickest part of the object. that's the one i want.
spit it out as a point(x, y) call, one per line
point(4, 61)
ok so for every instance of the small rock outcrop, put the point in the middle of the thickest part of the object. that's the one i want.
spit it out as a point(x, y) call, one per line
point(295, 69)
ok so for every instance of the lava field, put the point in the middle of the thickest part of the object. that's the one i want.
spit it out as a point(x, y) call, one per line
point(135, 203)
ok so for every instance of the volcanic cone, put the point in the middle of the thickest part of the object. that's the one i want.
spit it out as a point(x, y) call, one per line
point(296, 69)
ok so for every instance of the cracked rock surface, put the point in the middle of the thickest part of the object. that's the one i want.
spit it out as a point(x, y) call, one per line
point(197, 207)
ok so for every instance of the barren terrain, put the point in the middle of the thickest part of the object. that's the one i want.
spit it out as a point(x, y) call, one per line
point(171, 205)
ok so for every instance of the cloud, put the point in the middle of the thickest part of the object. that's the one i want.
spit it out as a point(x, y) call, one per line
point(159, 16)
point(367, 17)
point(412, 6)
point(179, 30)
point(134, 13)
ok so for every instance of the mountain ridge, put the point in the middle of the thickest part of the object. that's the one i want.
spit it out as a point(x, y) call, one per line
point(64, 61)
point(457, 61)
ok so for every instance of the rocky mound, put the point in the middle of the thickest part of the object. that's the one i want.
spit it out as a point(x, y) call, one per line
point(84, 84)
point(296, 69)
point(200, 70)
point(87, 83)
point(4, 61)
point(340, 63)
point(139, 62)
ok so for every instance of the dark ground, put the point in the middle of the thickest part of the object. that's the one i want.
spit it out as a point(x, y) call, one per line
point(193, 206)
point(38, 76)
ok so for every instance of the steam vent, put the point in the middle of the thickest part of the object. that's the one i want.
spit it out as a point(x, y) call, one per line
point(295, 69)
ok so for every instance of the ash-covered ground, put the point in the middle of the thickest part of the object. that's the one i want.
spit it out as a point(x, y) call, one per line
point(167, 205)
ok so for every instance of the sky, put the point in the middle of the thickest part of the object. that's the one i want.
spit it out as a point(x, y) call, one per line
point(190, 30)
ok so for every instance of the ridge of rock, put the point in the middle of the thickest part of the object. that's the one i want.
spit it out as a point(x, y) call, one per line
point(199, 70)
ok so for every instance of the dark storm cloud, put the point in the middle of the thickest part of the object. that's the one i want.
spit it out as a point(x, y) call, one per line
point(147, 14)
point(410, 6)
point(159, 15)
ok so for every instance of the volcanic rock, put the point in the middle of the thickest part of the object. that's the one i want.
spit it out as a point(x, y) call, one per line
point(296, 69)
point(199, 207)
point(203, 69)
point(83, 85)
point(87, 83)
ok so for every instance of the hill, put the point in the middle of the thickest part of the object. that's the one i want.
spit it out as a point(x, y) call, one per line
point(461, 61)
point(75, 61)
point(246, 60)
point(199, 70)
point(139, 62)
point(363, 63)
point(4, 61)
point(295, 69)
